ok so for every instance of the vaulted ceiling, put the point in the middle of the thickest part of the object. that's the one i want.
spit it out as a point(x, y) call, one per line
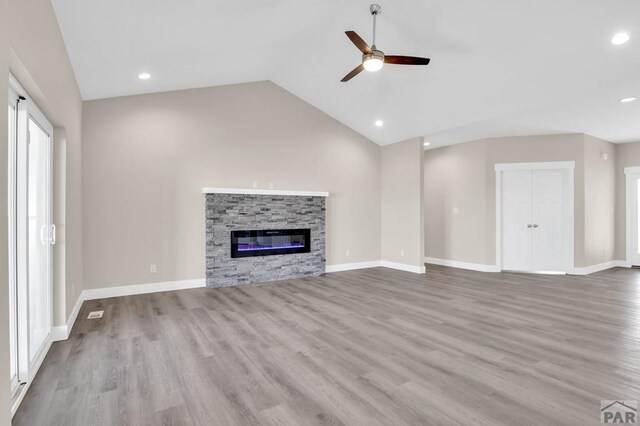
point(498, 67)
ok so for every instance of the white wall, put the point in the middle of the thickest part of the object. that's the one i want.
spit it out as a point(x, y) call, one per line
point(146, 158)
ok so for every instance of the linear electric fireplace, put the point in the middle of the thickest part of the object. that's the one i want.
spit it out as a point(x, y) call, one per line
point(269, 242)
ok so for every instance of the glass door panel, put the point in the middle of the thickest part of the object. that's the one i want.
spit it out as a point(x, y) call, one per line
point(38, 238)
point(31, 236)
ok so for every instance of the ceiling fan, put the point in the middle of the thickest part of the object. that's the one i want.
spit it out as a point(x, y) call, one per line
point(372, 58)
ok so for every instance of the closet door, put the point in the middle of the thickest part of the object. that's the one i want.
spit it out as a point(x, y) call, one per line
point(517, 225)
point(548, 213)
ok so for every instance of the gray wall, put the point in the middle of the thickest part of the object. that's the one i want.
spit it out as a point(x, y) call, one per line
point(39, 60)
point(5, 397)
point(599, 202)
point(146, 159)
point(402, 189)
point(460, 195)
point(627, 155)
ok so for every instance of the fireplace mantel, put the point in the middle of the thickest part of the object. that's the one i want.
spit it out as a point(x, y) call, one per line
point(264, 192)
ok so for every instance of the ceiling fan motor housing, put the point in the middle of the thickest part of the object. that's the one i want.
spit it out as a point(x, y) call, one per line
point(375, 54)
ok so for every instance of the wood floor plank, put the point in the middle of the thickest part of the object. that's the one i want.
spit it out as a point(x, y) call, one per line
point(367, 347)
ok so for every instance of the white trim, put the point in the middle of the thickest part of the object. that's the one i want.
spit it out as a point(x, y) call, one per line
point(264, 192)
point(547, 165)
point(352, 266)
point(586, 270)
point(375, 264)
point(403, 267)
point(462, 265)
point(15, 403)
point(129, 290)
point(569, 190)
point(62, 332)
point(629, 170)
point(498, 220)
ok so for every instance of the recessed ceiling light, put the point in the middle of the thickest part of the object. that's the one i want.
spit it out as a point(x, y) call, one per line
point(144, 76)
point(379, 123)
point(627, 100)
point(620, 38)
point(427, 143)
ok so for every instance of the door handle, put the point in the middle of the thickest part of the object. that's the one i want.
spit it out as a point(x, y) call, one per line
point(529, 225)
point(53, 234)
point(535, 225)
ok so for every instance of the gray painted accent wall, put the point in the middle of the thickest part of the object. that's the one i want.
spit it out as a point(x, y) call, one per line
point(230, 212)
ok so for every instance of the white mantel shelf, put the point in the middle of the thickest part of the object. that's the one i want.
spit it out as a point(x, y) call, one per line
point(264, 192)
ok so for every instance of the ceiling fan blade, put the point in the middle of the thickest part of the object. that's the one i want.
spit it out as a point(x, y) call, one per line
point(357, 70)
point(405, 60)
point(358, 41)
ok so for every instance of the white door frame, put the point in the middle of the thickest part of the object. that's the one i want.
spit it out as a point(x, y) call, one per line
point(568, 193)
point(630, 173)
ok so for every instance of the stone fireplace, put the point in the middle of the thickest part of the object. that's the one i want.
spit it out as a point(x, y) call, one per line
point(263, 235)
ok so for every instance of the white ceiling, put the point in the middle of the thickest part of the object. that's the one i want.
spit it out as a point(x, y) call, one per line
point(498, 67)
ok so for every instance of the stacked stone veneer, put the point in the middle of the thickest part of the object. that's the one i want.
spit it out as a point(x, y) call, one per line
point(239, 212)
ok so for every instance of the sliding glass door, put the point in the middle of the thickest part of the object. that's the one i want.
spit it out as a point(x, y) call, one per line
point(32, 235)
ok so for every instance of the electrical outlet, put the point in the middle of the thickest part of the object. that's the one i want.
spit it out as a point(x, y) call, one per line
point(347, 253)
point(254, 184)
point(401, 252)
point(153, 269)
point(456, 210)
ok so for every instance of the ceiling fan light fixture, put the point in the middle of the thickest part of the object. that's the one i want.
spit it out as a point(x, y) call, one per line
point(373, 61)
point(620, 38)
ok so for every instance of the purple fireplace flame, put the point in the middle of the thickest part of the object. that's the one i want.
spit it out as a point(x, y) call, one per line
point(270, 242)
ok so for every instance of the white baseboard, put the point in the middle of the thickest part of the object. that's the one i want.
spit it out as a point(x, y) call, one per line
point(403, 267)
point(462, 265)
point(129, 290)
point(375, 264)
point(62, 332)
point(586, 270)
point(352, 266)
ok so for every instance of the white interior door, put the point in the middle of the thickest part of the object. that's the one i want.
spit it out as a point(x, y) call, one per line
point(547, 216)
point(516, 220)
point(535, 208)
